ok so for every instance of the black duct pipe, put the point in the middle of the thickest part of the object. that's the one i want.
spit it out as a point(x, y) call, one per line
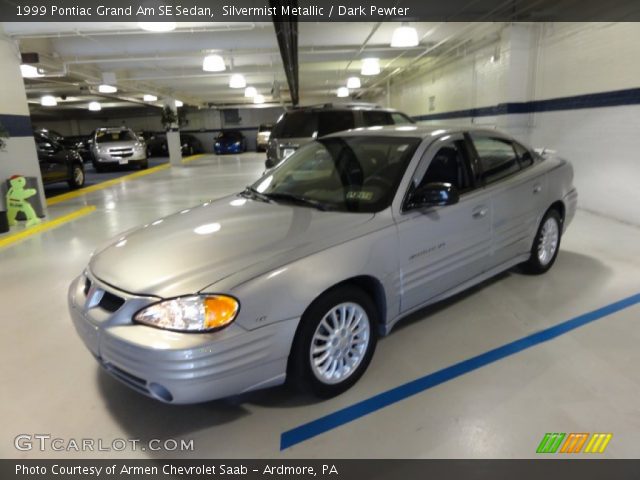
point(286, 27)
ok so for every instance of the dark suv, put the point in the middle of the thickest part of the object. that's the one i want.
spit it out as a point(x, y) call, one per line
point(57, 162)
point(302, 125)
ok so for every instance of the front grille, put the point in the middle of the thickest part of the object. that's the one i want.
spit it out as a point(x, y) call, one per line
point(134, 382)
point(111, 302)
point(87, 286)
point(121, 152)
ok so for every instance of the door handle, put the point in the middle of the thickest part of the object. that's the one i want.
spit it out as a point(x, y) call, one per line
point(537, 189)
point(480, 212)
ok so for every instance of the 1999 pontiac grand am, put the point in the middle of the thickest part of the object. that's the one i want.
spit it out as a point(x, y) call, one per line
point(297, 276)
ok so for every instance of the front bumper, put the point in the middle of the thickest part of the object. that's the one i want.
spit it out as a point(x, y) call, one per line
point(107, 158)
point(218, 150)
point(175, 367)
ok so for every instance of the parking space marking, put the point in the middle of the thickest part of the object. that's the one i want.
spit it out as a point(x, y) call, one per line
point(44, 226)
point(115, 181)
point(358, 410)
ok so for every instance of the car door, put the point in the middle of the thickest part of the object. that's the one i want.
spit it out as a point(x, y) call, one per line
point(442, 247)
point(52, 159)
point(517, 194)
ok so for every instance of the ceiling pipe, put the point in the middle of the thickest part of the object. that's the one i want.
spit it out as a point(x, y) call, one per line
point(81, 33)
point(286, 27)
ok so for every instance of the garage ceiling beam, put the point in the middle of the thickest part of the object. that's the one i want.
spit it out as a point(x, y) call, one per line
point(286, 27)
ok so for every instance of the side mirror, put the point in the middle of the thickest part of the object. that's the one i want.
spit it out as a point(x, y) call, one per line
point(432, 195)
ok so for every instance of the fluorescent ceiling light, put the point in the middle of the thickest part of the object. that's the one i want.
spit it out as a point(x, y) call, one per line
point(29, 71)
point(370, 66)
point(213, 63)
point(107, 89)
point(250, 92)
point(150, 98)
point(343, 92)
point(157, 26)
point(48, 101)
point(178, 103)
point(353, 82)
point(95, 107)
point(404, 37)
point(237, 80)
point(258, 99)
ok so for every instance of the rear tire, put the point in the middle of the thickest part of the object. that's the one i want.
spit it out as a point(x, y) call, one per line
point(546, 244)
point(334, 343)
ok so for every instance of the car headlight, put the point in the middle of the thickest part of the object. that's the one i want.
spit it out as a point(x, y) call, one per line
point(237, 144)
point(195, 313)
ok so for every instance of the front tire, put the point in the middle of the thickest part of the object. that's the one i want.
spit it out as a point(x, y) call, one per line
point(77, 178)
point(334, 343)
point(144, 164)
point(546, 244)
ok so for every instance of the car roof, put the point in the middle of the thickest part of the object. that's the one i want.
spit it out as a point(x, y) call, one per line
point(418, 131)
point(341, 107)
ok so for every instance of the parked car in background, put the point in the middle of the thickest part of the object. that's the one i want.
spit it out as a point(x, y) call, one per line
point(70, 142)
point(117, 146)
point(230, 141)
point(302, 125)
point(262, 139)
point(81, 144)
point(297, 276)
point(157, 146)
point(57, 162)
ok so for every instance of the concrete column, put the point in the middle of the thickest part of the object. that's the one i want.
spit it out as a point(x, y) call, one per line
point(521, 42)
point(173, 137)
point(18, 157)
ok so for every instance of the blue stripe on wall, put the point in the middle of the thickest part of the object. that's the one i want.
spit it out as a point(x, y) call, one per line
point(593, 100)
point(16, 125)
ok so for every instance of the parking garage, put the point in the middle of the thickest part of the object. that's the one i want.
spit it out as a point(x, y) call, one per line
point(162, 270)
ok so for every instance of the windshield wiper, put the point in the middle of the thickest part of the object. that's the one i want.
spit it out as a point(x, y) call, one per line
point(297, 199)
point(253, 193)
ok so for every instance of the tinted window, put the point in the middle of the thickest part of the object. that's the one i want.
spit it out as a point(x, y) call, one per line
point(372, 118)
point(334, 121)
point(525, 156)
point(296, 124)
point(450, 165)
point(356, 174)
point(400, 119)
point(235, 136)
point(117, 136)
point(265, 128)
point(497, 157)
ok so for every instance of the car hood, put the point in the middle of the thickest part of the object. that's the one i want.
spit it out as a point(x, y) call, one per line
point(185, 252)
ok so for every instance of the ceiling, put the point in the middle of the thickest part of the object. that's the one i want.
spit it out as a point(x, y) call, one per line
point(75, 56)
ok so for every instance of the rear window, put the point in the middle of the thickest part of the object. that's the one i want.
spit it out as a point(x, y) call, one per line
point(296, 124)
point(230, 135)
point(336, 121)
point(376, 118)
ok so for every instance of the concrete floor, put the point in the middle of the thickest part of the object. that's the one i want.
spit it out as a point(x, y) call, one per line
point(584, 381)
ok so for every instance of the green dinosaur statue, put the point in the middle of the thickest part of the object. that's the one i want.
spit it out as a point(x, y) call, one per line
point(17, 201)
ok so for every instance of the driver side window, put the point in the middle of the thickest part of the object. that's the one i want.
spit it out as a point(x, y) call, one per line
point(449, 165)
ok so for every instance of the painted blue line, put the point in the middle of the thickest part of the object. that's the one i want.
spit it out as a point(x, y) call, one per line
point(384, 399)
point(616, 98)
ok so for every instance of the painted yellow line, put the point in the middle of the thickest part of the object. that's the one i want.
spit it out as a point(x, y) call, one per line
point(83, 191)
point(12, 238)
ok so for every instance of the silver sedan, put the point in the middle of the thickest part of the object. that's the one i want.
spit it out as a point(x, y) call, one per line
point(297, 277)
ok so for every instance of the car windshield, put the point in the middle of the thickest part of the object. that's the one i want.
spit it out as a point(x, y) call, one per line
point(116, 136)
point(235, 136)
point(351, 173)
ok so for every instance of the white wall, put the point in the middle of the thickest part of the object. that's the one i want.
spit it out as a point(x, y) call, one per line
point(546, 61)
